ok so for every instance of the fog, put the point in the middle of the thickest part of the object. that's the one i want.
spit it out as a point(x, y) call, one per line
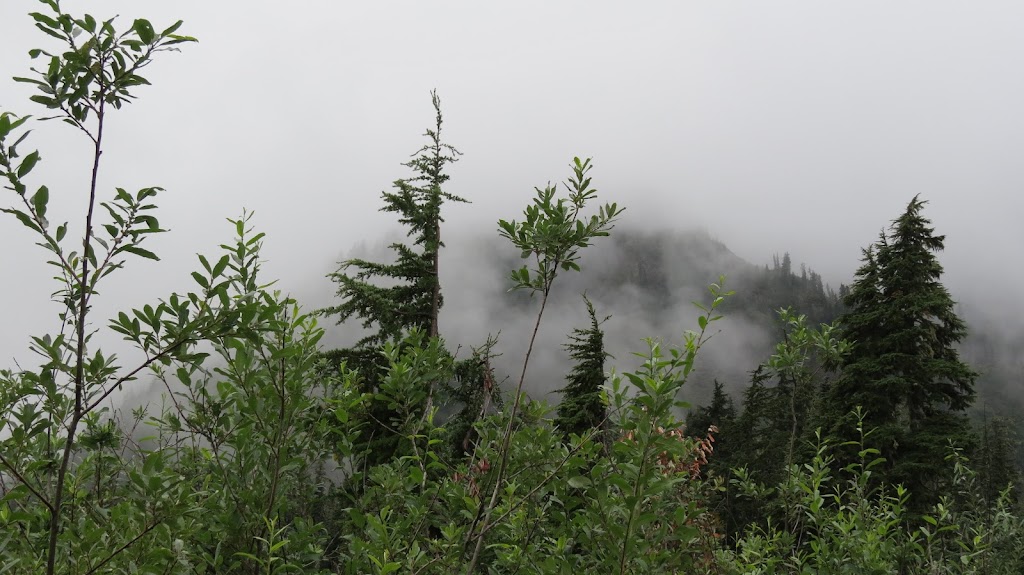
point(785, 126)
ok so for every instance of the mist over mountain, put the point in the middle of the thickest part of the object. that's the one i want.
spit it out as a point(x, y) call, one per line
point(646, 280)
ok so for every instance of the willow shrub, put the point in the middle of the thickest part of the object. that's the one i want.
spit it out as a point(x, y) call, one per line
point(844, 522)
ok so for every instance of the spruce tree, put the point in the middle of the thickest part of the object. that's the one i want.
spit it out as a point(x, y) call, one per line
point(721, 412)
point(395, 298)
point(413, 298)
point(582, 407)
point(760, 427)
point(904, 368)
point(719, 419)
point(757, 444)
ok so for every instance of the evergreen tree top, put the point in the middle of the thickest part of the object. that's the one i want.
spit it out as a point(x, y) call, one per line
point(582, 407)
point(413, 296)
point(418, 199)
point(903, 322)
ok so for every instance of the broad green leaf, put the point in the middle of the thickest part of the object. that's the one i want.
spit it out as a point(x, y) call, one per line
point(172, 28)
point(144, 29)
point(201, 280)
point(51, 32)
point(579, 482)
point(140, 252)
point(40, 199)
point(45, 20)
point(24, 218)
point(221, 265)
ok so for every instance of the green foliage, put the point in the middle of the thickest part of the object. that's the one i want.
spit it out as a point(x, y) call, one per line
point(565, 507)
point(779, 287)
point(78, 507)
point(552, 233)
point(411, 298)
point(994, 458)
point(582, 407)
point(652, 511)
point(852, 527)
point(415, 298)
point(780, 407)
point(263, 457)
point(799, 364)
point(719, 414)
point(254, 426)
point(365, 529)
point(270, 560)
point(904, 369)
point(829, 528)
point(473, 393)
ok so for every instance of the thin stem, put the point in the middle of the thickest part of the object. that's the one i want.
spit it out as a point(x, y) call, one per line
point(540, 485)
point(281, 418)
point(131, 374)
point(58, 500)
point(24, 481)
point(506, 440)
point(124, 547)
point(632, 512)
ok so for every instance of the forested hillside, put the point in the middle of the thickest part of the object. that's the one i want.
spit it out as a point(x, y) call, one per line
point(646, 280)
point(840, 439)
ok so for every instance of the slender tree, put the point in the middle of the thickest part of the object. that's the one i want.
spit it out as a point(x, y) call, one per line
point(994, 458)
point(414, 298)
point(552, 234)
point(394, 298)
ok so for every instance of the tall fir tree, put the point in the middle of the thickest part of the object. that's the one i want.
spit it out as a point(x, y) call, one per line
point(904, 368)
point(582, 407)
point(777, 427)
point(760, 428)
point(756, 443)
point(414, 298)
point(394, 298)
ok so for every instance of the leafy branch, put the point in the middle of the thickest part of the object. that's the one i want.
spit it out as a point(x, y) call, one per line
point(552, 233)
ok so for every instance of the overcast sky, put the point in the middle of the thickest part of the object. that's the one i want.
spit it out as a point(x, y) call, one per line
point(777, 126)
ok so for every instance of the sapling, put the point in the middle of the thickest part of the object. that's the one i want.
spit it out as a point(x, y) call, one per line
point(552, 234)
point(94, 71)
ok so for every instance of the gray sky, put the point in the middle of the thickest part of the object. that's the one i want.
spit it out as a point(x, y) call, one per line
point(800, 126)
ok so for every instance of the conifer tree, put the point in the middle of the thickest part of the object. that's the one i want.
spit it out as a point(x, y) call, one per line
point(395, 298)
point(415, 298)
point(719, 418)
point(757, 438)
point(582, 407)
point(904, 368)
point(994, 458)
point(782, 403)
point(473, 394)
point(721, 413)
point(763, 430)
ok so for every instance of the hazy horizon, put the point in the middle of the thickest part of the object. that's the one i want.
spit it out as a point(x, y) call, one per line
point(785, 127)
